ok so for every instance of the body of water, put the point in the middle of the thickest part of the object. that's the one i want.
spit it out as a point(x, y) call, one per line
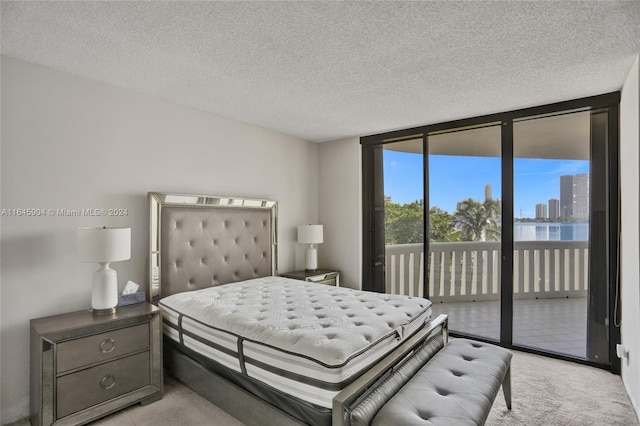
point(548, 231)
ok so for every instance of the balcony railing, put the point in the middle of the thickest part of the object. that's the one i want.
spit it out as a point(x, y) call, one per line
point(470, 271)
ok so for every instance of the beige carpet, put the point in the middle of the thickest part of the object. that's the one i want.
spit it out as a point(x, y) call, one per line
point(545, 392)
point(178, 406)
point(551, 392)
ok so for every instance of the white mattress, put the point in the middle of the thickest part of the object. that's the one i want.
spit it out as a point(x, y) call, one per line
point(308, 340)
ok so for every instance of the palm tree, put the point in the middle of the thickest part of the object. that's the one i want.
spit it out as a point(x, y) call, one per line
point(478, 221)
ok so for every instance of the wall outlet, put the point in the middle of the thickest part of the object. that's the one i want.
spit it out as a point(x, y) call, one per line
point(622, 351)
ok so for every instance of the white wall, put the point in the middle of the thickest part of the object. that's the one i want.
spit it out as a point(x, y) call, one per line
point(73, 143)
point(340, 208)
point(630, 236)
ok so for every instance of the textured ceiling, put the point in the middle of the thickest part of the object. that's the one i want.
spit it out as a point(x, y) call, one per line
point(328, 70)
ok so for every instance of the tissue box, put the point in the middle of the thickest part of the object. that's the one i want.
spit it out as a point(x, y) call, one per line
point(131, 299)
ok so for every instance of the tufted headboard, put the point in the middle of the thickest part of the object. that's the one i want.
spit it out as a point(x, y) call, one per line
point(201, 241)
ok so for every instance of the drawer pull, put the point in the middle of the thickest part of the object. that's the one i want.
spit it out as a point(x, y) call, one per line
point(108, 381)
point(107, 346)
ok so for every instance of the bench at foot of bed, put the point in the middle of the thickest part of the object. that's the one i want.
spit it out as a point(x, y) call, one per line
point(456, 387)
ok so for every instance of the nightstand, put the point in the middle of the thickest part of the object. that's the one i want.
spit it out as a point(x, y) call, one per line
point(85, 366)
point(320, 276)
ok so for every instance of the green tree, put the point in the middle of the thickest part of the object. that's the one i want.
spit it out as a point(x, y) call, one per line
point(403, 222)
point(478, 221)
point(442, 228)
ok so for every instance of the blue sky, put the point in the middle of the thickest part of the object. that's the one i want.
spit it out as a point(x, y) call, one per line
point(455, 178)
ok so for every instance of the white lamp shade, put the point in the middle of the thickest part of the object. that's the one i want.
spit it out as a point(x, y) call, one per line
point(104, 244)
point(310, 234)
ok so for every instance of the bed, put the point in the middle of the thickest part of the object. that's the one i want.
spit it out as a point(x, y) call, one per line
point(269, 349)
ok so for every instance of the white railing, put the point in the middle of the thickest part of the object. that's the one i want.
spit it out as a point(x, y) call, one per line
point(470, 271)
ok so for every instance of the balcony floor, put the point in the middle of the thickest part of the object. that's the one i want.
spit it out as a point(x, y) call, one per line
point(554, 325)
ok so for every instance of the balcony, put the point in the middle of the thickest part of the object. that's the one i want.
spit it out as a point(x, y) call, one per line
point(550, 288)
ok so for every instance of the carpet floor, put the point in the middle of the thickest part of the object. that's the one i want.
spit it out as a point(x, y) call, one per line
point(545, 391)
point(552, 392)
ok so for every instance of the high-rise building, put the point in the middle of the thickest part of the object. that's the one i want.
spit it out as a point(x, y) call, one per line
point(574, 196)
point(554, 208)
point(566, 196)
point(541, 211)
point(488, 192)
point(581, 196)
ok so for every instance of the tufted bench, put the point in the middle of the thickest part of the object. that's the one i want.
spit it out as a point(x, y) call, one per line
point(456, 387)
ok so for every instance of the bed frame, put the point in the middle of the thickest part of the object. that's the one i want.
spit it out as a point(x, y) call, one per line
point(201, 241)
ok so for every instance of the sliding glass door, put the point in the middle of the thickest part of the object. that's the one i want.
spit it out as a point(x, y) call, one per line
point(465, 224)
point(552, 181)
point(518, 225)
point(403, 206)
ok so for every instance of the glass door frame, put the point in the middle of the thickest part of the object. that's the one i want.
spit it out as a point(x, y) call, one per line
point(373, 245)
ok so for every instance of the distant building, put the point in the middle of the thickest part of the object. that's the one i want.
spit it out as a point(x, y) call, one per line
point(554, 208)
point(574, 196)
point(581, 196)
point(488, 192)
point(541, 211)
point(566, 196)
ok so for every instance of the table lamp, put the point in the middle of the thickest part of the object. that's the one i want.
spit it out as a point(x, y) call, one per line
point(310, 234)
point(104, 245)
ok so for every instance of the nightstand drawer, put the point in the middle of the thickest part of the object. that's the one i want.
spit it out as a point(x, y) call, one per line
point(101, 347)
point(323, 280)
point(86, 388)
point(330, 278)
point(318, 276)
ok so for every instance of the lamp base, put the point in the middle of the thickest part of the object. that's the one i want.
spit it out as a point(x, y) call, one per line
point(108, 311)
point(311, 258)
point(104, 297)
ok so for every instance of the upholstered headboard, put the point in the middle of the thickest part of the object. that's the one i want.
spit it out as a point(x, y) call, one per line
point(201, 241)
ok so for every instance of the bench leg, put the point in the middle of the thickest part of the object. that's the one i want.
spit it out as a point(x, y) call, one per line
point(506, 387)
